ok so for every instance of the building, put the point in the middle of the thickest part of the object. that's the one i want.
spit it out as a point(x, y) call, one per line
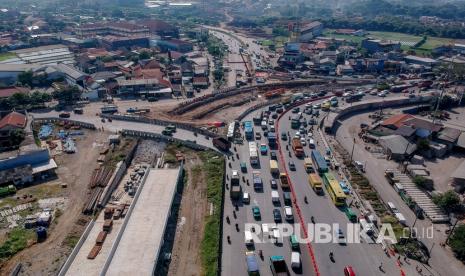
point(397, 147)
point(449, 136)
point(120, 28)
point(377, 45)
point(160, 28)
point(344, 69)
point(8, 124)
point(200, 82)
point(174, 45)
point(292, 55)
point(396, 121)
point(149, 87)
point(6, 92)
point(25, 165)
point(310, 31)
point(112, 42)
point(46, 55)
point(458, 177)
point(420, 60)
point(9, 72)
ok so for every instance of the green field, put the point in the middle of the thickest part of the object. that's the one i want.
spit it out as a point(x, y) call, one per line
point(7, 55)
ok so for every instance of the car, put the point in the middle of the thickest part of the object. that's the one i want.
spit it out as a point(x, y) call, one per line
point(344, 187)
point(273, 184)
point(373, 92)
point(339, 235)
point(246, 198)
point(291, 166)
point(263, 149)
point(302, 129)
point(303, 142)
point(312, 121)
point(272, 129)
point(295, 110)
point(277, 215)
point(258, 135)
point(273, 155)
point(276, 234)
point(349, 271)
point(297, 134)
point(308, 111)
point(274, 115)
point(317, 106)
point(288, 213)
point(256, 212)
point(271, 122)
point(304, 123)
point(283, 136)
point(382, 94)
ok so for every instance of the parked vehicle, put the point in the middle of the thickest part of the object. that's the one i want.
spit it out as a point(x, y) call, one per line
point(64, 115)
point(246, 198)
point(248, 238)
point(287, 198)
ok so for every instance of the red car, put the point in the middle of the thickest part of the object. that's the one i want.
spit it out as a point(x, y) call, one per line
point(349, 271)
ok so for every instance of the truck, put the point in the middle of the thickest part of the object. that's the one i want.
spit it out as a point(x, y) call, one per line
point(354, 98)
point(110, 108)
point(78, 110)
point(308, 165)
point(248, 129)
point(236, 189)
point(319, 162)
point(297, 147)
point(284, 181)
point(221, 143)
point(315, 182)
point(274, 167)
point(64, 115)
point(278, 266)
point(8, 190)
point(257, 180)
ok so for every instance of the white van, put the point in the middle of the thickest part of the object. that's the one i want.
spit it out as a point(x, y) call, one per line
point(275, 196)
point(295, 260)
point(248, 238)
point(288, 213)
point(264, 125)
point(401, 218)
point(392, 207)
point(265, 229)
point(246, 198)
point(277, 235)
point(312, 144)
point(367, 227)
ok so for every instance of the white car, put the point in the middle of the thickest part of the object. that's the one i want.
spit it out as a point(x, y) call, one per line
point(316, 106)
point(276, 234)
point(297, 135)
point(303, 142)
point(246, 198)
point(382, 94)
point(347, 94)
point(373, 92)
point(288, 213)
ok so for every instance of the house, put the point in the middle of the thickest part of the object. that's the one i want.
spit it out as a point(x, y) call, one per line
point(8, 124)
point(25, 165)
point(377, 45)
point(396, 121)
point(310, 31)
point(420, 60)
point(160, 28)
point(200, 82)
point(144, 87)
point(397, 147)
point(112, 42)
point(9, 91)
point(292, 55)
point(345, 69)
point(449, 136)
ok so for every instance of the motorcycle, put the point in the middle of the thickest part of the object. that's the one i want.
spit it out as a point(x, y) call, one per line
point(290, 154)
point(305, 200)
point(232, 157)
point(234, 214)
point(253, 229)
point(237, 155)
point(195, 134)
point(237, 227)
point(312, 219)
point(248, 183)
point(243, 179)
point(261, 254)
point(229, 164)
point(227, 220)
point(331, 256)
point(229, 240)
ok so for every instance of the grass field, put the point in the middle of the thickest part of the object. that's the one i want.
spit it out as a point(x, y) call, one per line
point(7, 55)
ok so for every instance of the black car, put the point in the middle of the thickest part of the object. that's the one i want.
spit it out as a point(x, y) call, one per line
point(277, 215)
point(274, 115)
point(291, 166)
point(273, 155)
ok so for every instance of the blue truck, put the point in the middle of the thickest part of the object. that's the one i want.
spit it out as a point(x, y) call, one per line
point(248, 130)
point(257, 181)
point(252, 264)
point(272, 139)
point(319, 162)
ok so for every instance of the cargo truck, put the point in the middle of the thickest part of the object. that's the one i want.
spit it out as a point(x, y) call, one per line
point(236, 189)
point(297, 147)
point(274, 167)
point(278, 266)
point(284, 181)
point(315, 182)
point(257, 181)
point(252, 264)
point(221, 143)
point(8, 190)
point(308, 165)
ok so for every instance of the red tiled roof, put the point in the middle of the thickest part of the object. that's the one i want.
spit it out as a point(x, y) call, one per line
point(14, 119)
point(396, 120)
point(10, 91)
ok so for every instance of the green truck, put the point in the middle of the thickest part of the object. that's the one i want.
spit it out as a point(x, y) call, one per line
point(8, 190)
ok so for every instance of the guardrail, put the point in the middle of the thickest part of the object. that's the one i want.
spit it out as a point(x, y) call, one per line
point(76, 249)
point(55, 119)
point(139, 119)
point(160, 137)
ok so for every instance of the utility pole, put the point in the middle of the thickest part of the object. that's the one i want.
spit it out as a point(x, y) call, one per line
point(453, 227)
point(352, 153)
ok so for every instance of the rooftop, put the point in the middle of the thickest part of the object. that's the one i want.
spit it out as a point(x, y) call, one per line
point(13, 119)
point(396, 120)
point(10, 91)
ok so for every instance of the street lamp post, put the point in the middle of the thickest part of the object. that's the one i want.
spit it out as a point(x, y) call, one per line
point(352, 153)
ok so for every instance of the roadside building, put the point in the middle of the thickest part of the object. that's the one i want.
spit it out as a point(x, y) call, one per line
point(292, 55)
point(9, 72)
point(396, 121)
point(138, 87)
point(377, 45)
point(160, 28)
point(429, 62)
point(174, 45)
point(310, 31)
point(25, 165)
point(200, 82)
point(46, 55)
point(397, 147)
point(112, 42)
point(12, 122)
point(345, 69)
point(120, 28)
point(9, 91)
point(449, 136)
point(458, 178)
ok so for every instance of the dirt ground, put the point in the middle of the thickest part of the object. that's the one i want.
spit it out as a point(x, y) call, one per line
point(186, 259)
point(75, 170)
point(442, 169)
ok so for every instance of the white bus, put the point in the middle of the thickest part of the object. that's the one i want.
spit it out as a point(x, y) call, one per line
point(253, 152)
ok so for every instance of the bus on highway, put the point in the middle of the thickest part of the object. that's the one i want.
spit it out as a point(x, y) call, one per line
point(334, 190)
point(253, 153)
point(315, 182)
point(248, 129)
point(319, 162)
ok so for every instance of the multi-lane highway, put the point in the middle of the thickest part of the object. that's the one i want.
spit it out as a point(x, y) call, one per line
point(363, 257)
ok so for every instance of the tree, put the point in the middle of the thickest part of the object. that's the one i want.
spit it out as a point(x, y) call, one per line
point(144, 55)
point(67, 95)
point(26, 78)
point(423, 144)
point(420, 181)
point(448, 201)
point(457, 242)
point(17, 136)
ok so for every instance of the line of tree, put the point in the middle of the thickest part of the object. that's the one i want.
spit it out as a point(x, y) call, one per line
point(396, 24)
point(25, 101)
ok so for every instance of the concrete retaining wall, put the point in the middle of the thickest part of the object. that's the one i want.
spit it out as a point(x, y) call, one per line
point(56, 120)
